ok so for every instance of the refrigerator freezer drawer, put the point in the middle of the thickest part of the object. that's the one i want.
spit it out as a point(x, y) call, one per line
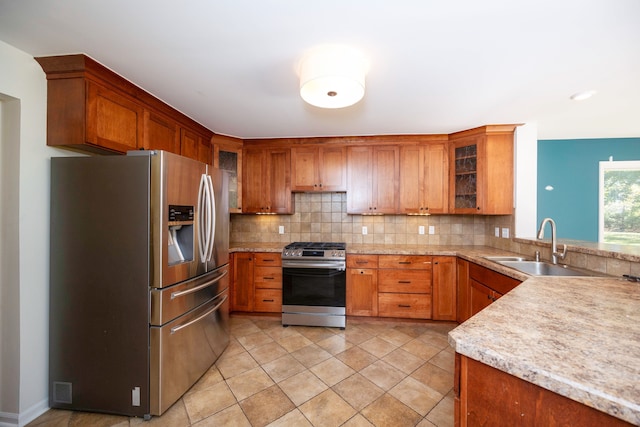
point(184, 349)
point(173, 301)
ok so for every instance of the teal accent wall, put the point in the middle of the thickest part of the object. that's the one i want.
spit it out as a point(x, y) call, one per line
point(571, 166)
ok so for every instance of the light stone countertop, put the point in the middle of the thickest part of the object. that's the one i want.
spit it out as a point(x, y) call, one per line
point(578, 337)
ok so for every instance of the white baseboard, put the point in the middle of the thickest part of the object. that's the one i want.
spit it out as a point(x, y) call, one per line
point(8, 419)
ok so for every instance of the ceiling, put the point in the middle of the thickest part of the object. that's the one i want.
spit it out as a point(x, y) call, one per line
point(435, 66)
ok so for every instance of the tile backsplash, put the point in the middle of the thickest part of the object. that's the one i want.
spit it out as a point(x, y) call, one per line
point(323, 217)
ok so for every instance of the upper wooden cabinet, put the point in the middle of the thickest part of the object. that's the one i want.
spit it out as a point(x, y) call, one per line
point(316, 168)
point(372, 179)
point(195, 146)
point(91, 108)
point(481, 171)
point(267, 180)
point(424, 179)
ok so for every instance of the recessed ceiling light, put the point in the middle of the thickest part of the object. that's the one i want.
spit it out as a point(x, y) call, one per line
point(581, 96)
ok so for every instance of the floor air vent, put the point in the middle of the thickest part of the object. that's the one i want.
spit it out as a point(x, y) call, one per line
point(61, 392)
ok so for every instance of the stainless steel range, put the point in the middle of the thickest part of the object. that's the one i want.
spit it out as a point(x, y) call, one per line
point(314, 284)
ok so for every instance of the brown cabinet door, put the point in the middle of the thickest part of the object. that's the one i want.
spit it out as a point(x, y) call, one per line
point(242, 297)
point(386, 167)
point(333, 168)
point(304, 169)
point(114, 121)
point(481, 296)
point(160, 133)
point(413, 306)
point(411, 179)
point(278, 184)
point(189, 143)
point(362, 292)
point(359, 179)
point(436, 178)
point(254, 175)
point(444, 288)
point(404, 281)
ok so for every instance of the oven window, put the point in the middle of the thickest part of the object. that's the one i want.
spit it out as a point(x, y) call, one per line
point(314, 287)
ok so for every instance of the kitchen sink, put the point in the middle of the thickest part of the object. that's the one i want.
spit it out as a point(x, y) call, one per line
point(541, 268)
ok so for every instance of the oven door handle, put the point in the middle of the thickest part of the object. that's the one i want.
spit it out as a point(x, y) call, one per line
point(325, 265)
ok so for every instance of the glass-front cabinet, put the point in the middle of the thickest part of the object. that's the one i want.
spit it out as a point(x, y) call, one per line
point(481, 170)
point(228, 157)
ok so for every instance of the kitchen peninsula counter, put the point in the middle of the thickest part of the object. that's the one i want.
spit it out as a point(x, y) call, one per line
point(577, 337)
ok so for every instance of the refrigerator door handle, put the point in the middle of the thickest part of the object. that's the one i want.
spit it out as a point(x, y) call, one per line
point(197, 288)
point(203, 233)
point(197, 319)
point(211, 217)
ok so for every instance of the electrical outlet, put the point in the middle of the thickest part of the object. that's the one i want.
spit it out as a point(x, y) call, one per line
point(497, 231)
point(364, 229)
point(505, 233)
point(421, 229)
point(432, 229)
point(281, 229)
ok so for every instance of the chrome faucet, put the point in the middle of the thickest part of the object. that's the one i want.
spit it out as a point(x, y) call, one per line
point(554, 246)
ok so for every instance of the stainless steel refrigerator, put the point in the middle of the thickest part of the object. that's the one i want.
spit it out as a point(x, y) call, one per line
point(139, 280)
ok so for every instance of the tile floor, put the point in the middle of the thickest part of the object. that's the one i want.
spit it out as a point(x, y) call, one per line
point(374, 373)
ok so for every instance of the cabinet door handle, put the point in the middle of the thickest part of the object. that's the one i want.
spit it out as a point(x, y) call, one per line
point(362, 262)
point(404, 262)
point(268, 278)
point(404, 306)
point(404, 282)
point(267, 300)
point(269, 260)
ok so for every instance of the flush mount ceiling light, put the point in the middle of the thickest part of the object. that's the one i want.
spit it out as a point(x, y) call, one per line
point(332, 76)
point(581, 96)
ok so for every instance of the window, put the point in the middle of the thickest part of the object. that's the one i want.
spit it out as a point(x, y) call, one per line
point(619, 210)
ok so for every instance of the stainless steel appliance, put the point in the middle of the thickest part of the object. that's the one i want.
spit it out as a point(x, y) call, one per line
point(138, 280)
point(314, 284)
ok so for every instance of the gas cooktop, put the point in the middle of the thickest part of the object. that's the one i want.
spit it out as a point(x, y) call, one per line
point(315, 250)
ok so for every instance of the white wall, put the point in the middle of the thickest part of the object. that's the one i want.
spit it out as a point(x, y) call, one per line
point(24, 300)
point(526, 196)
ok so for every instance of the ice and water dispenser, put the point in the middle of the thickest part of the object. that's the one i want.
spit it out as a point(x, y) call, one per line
point(180, 237)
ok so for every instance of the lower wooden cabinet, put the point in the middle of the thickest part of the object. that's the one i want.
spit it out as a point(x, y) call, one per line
point(257, 282)
point(362, 285)
point(485, 396)
point(444, 288)
point(485, 286)
point(404, 286)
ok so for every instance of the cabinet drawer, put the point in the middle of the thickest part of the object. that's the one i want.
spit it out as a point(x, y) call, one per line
point(404, 281)
point(268, 259)
point(405, 262)
point(496, 281)
point(416, 306)
point(267, 277)
point(268, 300)
point(362, 261)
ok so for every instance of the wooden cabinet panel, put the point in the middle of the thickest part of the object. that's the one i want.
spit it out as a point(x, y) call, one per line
point(362, 261)
point(404, 281)
point(227, 155)
point(444, 288)
point(496, 281)
point(372, 179)
point(267, 181)
point(160, 133)
point(268, 301)
point(489, 397)
point(481, 296)
point(305, 163)
point(195, 146)
point(415, 306)
point(362, 292)
point(424, 179)
point(333, 168)
point(464, 291)
point(405, 261)
point(268, 259)
point(268, 277)
point(242, 295)
point(113, 121)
